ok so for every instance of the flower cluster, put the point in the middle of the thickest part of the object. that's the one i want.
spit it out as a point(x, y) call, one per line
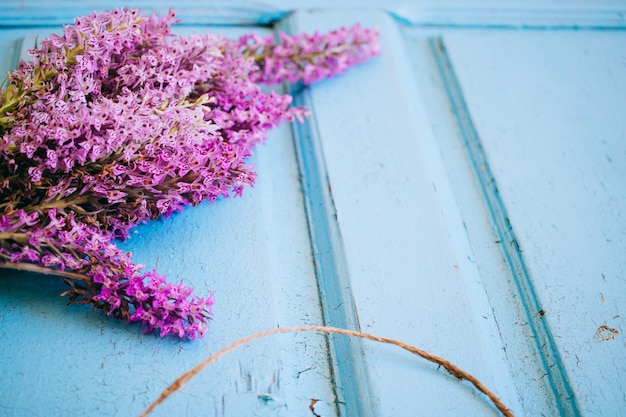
point(117, 122)
point(309, 58)
point(108, 278)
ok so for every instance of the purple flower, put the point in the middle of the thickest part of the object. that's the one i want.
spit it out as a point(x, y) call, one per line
point(309, 58)
point(104, 276)
point(116, 122)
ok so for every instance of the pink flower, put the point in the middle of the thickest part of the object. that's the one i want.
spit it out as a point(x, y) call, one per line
point(117, 122)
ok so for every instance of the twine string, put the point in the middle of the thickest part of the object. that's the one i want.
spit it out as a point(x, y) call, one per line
point(448, 366)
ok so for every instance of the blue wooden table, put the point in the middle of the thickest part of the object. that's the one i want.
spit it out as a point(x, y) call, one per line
point(464, 192)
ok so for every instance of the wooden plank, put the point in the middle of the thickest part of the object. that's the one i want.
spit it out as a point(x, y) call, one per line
point(410, 265)
point(485, 221)
point(402, 242)
point(556, 383)
point(515, 15)
point(450, 14)
point(548, 107)
point(431, 13)
point(44, 13)
point(338, 307)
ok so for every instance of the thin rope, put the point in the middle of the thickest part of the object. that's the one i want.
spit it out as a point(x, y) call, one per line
point(448, 366)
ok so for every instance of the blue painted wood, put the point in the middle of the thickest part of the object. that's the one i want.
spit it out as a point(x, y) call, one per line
point(526, 100)
point(495, 274)
point(557, 148)
point(561, 394)
point(44, 13)
point(550, 14)
point(373, 215)
point(339, 309)
point(515, 15)
point(409, 263)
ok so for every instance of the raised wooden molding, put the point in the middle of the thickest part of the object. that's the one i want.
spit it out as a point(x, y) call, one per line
point(476, 13)
point(595, 17)
point(36, 13)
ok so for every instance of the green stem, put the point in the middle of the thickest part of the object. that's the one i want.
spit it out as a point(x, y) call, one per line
point(61, 204)
point(20, 266)
point(310, 57)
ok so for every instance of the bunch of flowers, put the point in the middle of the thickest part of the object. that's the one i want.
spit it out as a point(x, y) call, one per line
point(117, 122)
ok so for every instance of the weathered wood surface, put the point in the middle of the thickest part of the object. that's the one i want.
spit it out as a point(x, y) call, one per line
point(463, 192)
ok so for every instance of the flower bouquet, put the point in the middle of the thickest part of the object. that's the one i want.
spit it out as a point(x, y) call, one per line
point(117, 122)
